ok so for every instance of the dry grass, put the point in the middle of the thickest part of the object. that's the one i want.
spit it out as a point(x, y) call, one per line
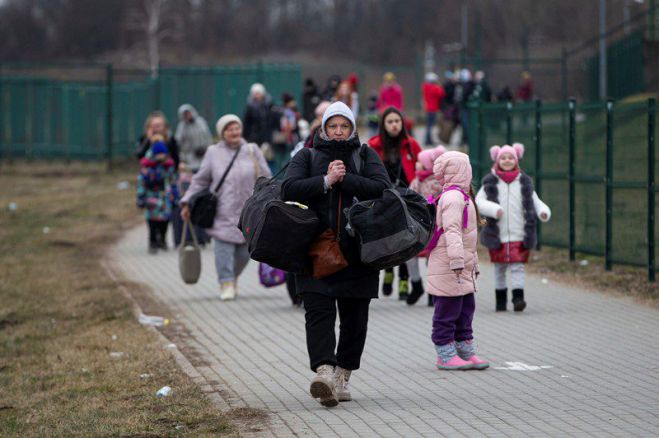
point(629, 281)
point(60, 313)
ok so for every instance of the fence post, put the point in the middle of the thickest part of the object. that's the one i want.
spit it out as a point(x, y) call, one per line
point(609, 184)
point(509, 123)
point(108, 115)
point(481, 142)
point(652, 105)
point(572, 189)
point(538, 159)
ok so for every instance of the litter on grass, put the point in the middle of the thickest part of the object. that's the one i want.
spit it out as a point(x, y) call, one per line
point(156, 321)
point(165, 391)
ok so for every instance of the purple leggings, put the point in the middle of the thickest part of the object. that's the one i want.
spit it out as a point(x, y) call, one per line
point(452, 319)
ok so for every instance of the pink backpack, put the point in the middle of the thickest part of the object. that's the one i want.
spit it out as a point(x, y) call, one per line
point(433, 199)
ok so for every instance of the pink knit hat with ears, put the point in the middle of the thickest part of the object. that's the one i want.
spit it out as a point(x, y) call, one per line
point(427, 157)
point(516, 150)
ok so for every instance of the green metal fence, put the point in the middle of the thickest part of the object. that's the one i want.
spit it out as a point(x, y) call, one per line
point(594, 165)
point(44, 115)
point(625, 68)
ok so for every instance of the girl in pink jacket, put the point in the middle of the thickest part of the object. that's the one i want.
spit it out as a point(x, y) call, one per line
point(453, 266)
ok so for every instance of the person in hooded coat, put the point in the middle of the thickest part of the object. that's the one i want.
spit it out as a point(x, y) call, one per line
point(259, 119)
point(325, 179)
point(192, 136)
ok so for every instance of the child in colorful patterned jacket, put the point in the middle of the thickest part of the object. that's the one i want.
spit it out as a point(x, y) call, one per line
point(157, 192)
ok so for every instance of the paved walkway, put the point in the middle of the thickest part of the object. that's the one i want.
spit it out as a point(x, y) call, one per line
point(573, 364)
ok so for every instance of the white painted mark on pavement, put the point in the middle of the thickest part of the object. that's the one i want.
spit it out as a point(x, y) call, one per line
point(521, 366)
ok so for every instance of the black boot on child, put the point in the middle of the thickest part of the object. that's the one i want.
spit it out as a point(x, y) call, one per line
point(518, 300)
point(502, 297)
point(417, 291)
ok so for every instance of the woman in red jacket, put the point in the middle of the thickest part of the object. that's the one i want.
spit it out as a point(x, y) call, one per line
point(398, 151)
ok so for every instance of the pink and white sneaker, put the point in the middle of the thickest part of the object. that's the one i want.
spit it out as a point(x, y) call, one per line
point(455, 363)
point(477, 363)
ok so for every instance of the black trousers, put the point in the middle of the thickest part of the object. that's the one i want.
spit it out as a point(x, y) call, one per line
point(157, 232)
point(320, 316)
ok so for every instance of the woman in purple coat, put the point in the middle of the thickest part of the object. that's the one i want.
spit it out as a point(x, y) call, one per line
point(231, 255)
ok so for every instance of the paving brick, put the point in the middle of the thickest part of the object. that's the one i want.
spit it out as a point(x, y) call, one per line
point(254, 352)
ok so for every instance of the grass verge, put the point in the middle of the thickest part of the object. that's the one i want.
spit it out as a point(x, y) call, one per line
point(62, 316)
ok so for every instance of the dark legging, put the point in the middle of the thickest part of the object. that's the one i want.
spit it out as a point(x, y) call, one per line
point(157, 232)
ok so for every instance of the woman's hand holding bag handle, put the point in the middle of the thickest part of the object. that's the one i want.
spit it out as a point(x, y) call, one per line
point(189, 256)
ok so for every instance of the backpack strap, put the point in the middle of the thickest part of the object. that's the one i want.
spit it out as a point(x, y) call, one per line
point(465, 212)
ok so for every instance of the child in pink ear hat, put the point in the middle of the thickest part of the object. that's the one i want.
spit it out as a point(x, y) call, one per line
point(512, 209)
point(426, 185)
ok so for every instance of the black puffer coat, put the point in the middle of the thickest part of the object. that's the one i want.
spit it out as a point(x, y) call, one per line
point(304, 183)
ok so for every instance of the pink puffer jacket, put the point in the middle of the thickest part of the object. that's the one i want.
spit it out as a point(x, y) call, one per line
point(456, 248)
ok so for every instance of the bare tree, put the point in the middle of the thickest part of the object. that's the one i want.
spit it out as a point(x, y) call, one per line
point(152, 19)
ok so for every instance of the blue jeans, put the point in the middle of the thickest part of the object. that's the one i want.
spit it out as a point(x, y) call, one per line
point(431, 118)
point(230, 260)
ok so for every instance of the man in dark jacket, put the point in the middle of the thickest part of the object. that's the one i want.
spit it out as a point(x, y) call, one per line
point(326, 179)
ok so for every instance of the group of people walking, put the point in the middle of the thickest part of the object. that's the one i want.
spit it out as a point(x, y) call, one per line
point(323, 176)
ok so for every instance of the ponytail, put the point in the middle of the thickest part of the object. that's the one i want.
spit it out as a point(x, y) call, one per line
point(472, 194)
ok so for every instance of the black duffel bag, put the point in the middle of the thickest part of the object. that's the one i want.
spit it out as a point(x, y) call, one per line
point(393, 228)
point(203, 204)
point(278, 233)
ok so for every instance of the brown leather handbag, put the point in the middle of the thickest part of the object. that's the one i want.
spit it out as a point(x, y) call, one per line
point(325, 251)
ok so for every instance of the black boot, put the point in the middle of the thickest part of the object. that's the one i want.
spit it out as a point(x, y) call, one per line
point(417, 291)
point(502, 297)
point(518, 300)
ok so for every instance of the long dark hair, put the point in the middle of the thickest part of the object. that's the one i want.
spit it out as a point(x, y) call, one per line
point(391, 144)
point(472, 194)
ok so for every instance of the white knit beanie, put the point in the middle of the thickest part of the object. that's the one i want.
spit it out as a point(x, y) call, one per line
point(223, 121)
point(257, 88)
point(338, 109)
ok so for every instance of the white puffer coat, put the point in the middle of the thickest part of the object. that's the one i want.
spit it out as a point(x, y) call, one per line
point(511, 224)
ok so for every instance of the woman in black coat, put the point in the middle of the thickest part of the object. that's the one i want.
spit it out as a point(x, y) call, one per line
point(322, 178)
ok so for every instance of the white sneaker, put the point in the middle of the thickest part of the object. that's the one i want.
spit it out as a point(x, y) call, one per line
point(228, 291)
point(322, 386)
point(341, 381)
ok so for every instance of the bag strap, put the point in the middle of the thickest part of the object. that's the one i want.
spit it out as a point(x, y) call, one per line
point(187, 227)
point(257, 168)
point(219, 184)
point(338, 218)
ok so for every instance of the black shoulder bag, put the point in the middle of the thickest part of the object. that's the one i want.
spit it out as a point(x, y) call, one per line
point(203, 204)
